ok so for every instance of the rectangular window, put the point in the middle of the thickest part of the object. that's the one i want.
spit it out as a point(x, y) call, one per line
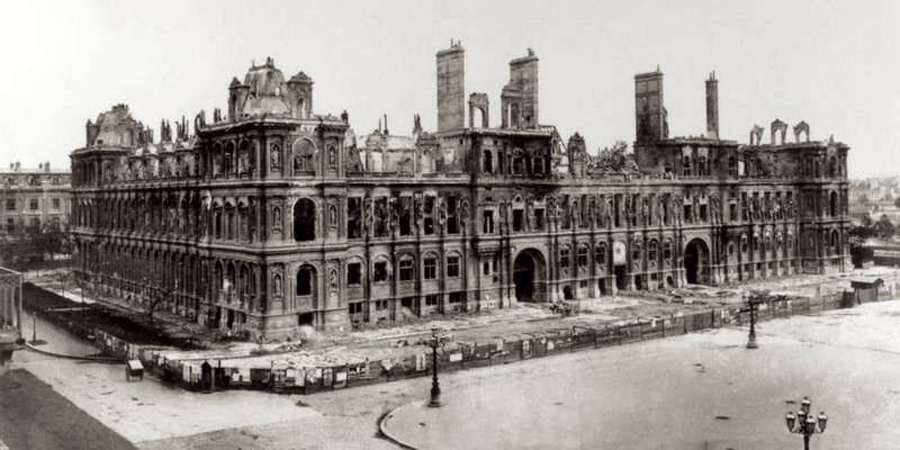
point(406, 270)
point(430, 268)
point(33, 204)
point(405, 216)
point(381, 272)
point(428, 220)
point(687, 213)
point(452, 215)
point(55, 203)
point(564, 258)
point(703, 217)
point(486, 268)
point(518, 220)
point(488, 222)
point(453, 266)
point(354, 274)
point(582, 257)
point(381, 217)
point(457, 298)
point(355, 308)
point(539, 219)
point(732, 213)
point(745, 207)
point(10, 204)
point(354, 217)
point(431, 300)
point(10, 226)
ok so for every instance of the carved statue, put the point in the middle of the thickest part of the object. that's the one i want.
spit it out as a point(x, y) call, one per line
point(464, 214)
point(756, 135)
point(799, 129)
point(645, 210)
point(367, 214)
point(779, 127)
point(419, 211)
point(442, 211)
point(394, 207)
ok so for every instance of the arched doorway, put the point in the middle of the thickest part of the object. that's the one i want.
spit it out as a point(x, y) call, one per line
point(696, 262)
point(529, 276)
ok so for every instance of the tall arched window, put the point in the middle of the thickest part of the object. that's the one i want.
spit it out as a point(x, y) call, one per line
point(833, 204)
point(304, 220)
point(832, 167)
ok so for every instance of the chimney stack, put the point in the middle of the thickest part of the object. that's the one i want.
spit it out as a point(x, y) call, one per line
point(451, 87)
point(712, 106)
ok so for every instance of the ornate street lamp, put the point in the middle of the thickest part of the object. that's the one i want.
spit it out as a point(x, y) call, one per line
point(805, 423)
point(752, 301)
point(437, 339)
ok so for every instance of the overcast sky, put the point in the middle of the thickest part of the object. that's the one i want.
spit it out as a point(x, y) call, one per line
point(833, 64)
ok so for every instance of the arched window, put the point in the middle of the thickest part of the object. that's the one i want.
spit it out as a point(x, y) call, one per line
point(582, 256)
point(488, 161)
point(667, 250)
point(755, 242)
point(304, 152)
point(833, 204)
point(653, 251)
point(835, 242)
point(744, 243)
point(407, 268)
point(832, 167)
point(229, 221)
point(636, 254)
point(306, 278)
point(304, 220)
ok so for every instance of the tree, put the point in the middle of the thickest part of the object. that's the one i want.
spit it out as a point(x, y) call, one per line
point(884, 227)
point(897, 202)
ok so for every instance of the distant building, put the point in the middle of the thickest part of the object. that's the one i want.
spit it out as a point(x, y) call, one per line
point(33, 197)
point(271, 217)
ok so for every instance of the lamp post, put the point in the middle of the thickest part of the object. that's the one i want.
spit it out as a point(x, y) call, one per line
point(437, 339)
point(752, 301)
point(805, 423)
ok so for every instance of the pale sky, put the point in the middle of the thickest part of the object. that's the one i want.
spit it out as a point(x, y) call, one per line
point(833, 64)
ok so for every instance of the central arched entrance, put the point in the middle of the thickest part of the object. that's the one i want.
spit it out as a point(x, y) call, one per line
point(529, 276)
point(696, 262)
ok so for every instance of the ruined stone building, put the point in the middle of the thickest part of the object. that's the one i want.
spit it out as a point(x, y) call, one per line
point(271, 216)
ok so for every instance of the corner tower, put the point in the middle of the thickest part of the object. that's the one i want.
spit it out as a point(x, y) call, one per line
point(451, 87)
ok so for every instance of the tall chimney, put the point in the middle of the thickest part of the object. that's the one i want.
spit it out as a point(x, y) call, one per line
point(451, 87)
point(386, 132)
point(712, 107)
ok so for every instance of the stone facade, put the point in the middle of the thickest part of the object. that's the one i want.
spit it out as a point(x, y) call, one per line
point(33, 197)
point(273, 217)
